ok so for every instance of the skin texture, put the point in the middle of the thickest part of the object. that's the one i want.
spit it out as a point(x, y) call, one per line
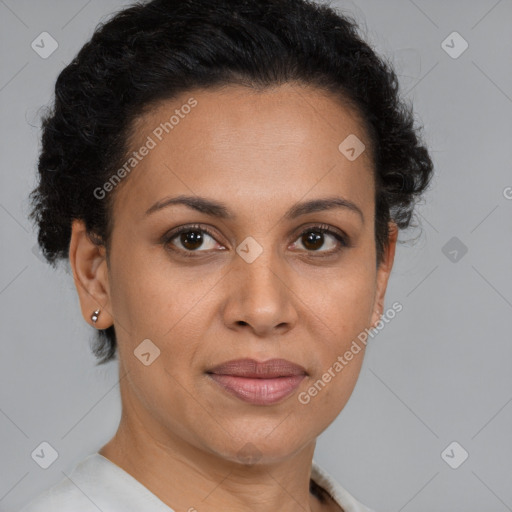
point(260, 153)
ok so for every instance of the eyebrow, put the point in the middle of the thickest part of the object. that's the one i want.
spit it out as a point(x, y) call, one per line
point(220, 210)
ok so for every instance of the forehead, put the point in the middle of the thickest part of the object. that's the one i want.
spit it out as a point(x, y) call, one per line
point(259, 147)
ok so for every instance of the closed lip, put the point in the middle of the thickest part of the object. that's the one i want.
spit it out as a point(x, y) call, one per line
point(253, 369)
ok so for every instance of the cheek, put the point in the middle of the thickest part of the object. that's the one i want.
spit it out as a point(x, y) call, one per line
point(338, 360)
point(151, 300)
point(324, 398)
point(342, 313)
point(343, 300)
point(148, 297)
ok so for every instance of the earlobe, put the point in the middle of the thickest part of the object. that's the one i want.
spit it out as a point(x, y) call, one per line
point(90, 273)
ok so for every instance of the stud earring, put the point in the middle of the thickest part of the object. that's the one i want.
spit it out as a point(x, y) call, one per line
point(95, 315)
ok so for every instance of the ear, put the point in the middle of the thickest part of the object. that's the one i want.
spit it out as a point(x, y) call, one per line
point(90, 273)
point(383, 272)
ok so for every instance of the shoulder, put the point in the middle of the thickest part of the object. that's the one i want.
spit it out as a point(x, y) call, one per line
point(96, 484)
point(340, 495)
point(76, 492)
point(63, 496)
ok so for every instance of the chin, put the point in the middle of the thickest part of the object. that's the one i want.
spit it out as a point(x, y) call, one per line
point(259, 449)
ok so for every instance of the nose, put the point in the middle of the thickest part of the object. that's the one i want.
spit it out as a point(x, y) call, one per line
point(260, 297)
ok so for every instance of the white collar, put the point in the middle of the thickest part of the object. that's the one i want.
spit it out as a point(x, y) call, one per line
point(98, 483)
point(338, 493)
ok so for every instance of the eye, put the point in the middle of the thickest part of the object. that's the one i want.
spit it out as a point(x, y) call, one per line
point(189, 239)
point(314, 237)
point(192, 239)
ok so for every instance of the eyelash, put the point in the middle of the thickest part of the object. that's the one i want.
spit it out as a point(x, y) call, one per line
point(320, 228)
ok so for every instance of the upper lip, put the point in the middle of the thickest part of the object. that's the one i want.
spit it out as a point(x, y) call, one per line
point(250, 368)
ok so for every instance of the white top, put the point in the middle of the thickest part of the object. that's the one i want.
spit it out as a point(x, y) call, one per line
point(96, 483)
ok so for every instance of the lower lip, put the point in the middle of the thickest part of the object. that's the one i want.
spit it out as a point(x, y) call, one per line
point(258, 391)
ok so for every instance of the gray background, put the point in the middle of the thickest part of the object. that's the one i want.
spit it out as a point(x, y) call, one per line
point(439, 372)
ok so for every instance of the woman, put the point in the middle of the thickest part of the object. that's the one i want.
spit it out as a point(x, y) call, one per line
point(227, 180)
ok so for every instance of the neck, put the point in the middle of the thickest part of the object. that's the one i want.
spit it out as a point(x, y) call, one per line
point(189, 478)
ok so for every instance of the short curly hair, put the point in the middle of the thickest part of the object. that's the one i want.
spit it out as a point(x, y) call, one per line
point(151, 52)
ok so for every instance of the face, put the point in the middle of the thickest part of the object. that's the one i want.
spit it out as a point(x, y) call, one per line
point(277, 275)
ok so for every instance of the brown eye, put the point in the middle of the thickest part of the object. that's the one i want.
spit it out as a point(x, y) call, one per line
point(190, 239)
point(313, 241)
point(316, 237)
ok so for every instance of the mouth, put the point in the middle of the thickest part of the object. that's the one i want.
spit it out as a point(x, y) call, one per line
point(258, 383)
